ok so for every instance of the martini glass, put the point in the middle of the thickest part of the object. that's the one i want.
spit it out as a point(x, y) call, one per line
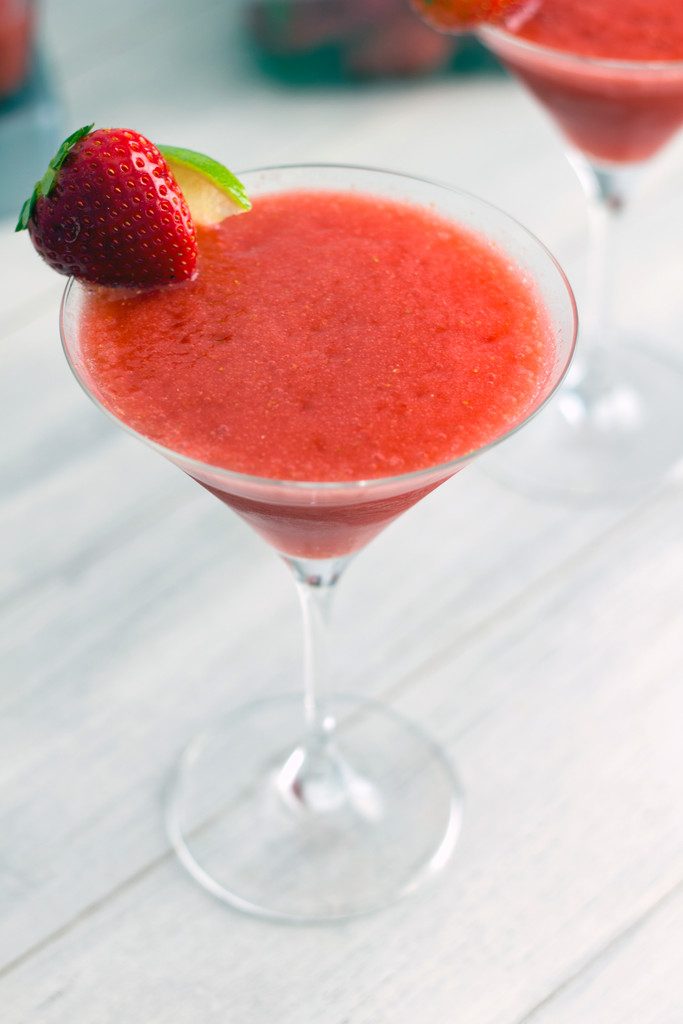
point(615, 427)
point(318, 806)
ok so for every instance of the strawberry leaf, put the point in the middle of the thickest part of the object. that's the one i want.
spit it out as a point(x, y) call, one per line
point(66, 147)
point(46, 183)
point(26, 211)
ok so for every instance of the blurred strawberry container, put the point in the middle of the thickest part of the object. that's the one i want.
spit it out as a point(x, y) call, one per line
point(347, 38)
point(31, 125)
point(16, 44)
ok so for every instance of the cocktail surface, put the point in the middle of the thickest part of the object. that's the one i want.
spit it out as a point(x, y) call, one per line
point(327, 336)
point(648, 30)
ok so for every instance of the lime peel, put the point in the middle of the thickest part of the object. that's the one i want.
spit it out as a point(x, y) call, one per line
point(211, 190)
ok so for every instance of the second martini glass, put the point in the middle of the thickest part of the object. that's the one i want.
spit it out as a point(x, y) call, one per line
point(330, 806)
point(616, 425)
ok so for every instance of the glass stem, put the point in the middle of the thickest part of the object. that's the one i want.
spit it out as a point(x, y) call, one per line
point(315, 777)
point(608, 190)
point(315, 595)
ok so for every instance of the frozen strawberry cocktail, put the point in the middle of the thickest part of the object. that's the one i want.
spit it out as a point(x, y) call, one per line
point(610, 71)
point(326, 337)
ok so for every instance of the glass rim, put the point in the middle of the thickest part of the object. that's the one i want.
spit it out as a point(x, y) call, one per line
point(413, 477)
point(655, 67)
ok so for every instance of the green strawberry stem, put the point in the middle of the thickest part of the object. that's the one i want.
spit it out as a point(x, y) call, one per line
point(46, 183)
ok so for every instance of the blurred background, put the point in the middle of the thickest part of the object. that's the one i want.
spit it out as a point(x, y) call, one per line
point(539, 644)
point(268, 81)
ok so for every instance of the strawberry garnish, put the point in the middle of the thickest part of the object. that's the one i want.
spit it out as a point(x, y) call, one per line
point(108, 210)
point(462, 15)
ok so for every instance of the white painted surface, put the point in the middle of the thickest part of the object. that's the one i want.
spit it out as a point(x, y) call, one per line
point(541, 646)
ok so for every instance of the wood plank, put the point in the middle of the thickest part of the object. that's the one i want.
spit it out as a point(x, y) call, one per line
point(565, 758)
point(633, 978)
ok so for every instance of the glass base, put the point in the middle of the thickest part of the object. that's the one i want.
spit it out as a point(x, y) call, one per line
point(614, 431)
point(316, 835)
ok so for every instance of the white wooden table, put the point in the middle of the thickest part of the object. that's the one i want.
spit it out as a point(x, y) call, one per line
point(542, 646)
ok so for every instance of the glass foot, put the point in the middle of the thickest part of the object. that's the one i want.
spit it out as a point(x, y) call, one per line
point(613, 431)
point(313, 835)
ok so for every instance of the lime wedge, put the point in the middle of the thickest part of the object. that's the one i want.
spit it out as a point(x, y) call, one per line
point(211, 190)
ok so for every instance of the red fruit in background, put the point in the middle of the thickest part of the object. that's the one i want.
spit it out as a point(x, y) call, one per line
point(373, 38)
point(399, 45)
point(108, 210)
point(16, 34)
point(461, 15)
point(296, 26)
